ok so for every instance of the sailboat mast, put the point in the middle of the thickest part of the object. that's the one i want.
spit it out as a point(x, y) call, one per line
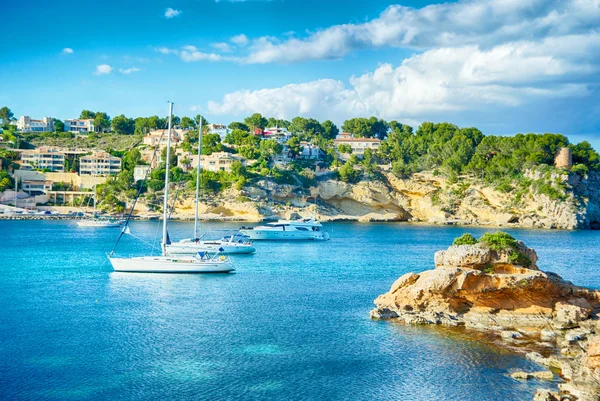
point(167, 168)
point(198, 167)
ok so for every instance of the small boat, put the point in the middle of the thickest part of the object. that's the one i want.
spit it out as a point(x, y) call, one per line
point(202, 262)
point(93, 221)
point(302, 229)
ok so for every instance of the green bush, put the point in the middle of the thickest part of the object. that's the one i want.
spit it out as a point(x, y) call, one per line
point(465, 239)
point(518, 258)
point(499, 241)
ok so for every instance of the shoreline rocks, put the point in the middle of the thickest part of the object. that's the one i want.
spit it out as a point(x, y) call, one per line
point(481, 287)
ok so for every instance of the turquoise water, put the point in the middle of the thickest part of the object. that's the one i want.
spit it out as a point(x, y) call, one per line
point(292, 323)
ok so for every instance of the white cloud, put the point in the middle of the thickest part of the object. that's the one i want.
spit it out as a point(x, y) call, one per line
point(128, 71)
point(222, 46)
point(240, 40)
point(103, 69)
point(444, 80)
point(482, 22)
point(67, 50)
point(170, 12)
point(191, 53)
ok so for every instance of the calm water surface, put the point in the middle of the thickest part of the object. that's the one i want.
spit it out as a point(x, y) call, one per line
point(292, 324)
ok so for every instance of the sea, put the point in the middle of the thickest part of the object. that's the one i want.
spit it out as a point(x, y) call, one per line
point(292, 323)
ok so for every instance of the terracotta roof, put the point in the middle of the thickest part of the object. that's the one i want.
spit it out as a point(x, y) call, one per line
point(374, 140)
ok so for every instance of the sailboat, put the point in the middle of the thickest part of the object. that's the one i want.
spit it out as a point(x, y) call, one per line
point(94, 221)
point(202, 262)
point(230, 244)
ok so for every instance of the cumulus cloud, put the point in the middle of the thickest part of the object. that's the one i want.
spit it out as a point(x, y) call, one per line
point(443, 80)
point(103, 69)
point(191, 53)
point(171, 13)
point(67, 50)
point(240, 40)
point(482, 22)
point(128, 71)
point(222, 47)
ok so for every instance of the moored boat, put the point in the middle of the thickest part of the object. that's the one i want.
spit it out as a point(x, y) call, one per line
point(302, 229)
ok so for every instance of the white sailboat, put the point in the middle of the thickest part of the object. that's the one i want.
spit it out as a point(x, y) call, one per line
point(94, 221)
point(231, 244)
point(200, 263)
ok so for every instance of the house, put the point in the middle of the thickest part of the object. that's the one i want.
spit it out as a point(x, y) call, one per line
point(217, 161)
point(79, 125)
point(219, 129)
point(28, 124)
point(311, 152)
point(281, 135)
point(36, 187)
point(43, 158)
point(100, 163)
point(358, 145)
point(140, 172)
point(159, 137)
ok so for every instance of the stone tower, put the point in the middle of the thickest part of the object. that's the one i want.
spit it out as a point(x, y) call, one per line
point(564, 158)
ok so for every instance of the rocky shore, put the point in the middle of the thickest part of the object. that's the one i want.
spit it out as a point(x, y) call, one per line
point(495, 285)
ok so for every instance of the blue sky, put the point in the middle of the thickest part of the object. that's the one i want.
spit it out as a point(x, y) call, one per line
point(504, 66)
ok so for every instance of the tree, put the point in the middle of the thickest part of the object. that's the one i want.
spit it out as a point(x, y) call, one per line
point(584, 153)
point(59, 126)
point(101, 121)
point(366, 127)
point(345, 148)
point(6, 115)
point(270, 147)
point(141, 125)
point(294, 147)
point(347, 173)
point(123, 125)
point(330, 130)
point(199, 118)
point(187, 123)
point(211, 143)
point(238, 125)
point(86, 114)
point(255, 121)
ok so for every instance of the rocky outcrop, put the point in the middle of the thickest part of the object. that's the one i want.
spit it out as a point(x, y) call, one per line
point(423, 197)
point(480, 288)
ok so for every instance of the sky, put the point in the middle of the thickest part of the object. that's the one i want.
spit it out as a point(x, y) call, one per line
point(503, 66)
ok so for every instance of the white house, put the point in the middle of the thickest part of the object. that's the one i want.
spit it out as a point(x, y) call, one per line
point(79, 125)
point(219, 129)
point(28, 124)
point(43, 158)
point(100, 163)
point(140, 172)
point(311, 152)
point(281, 135)
point(358, 145)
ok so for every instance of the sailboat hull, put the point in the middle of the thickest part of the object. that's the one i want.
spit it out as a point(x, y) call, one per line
point(165, 264)
point(98, 224)
point(192, 248)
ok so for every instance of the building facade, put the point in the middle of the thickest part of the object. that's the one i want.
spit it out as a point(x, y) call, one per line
point(219, 129)
point(159, 138)
point(28, 124)
point(140, 172)
point(101, 163)
point(311, 152)
point(43, 159)
point(79, 125)
point(358, 145)
point(217, 161)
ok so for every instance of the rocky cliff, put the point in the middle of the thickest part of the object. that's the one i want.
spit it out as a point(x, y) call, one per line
point(573, 202)
point(502, 291)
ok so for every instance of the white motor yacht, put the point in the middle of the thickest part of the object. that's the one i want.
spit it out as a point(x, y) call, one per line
point(302, 229)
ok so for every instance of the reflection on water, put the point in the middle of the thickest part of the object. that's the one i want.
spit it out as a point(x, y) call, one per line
point(293, 323)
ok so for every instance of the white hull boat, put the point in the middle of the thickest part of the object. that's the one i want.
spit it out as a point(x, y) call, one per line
point(98, 223)
point(306, 229)
point(202, 262)
point(166, 264)
point(192, 247)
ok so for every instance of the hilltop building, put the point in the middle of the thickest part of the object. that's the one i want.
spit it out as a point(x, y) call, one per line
point(219, 129)
point(159, 137)
point(98, 164)
point(358, 145)
point(28, 124)
point(217, 161)
point(79, 125)
point(43, 158)
point(140, 171)
point(564, 158)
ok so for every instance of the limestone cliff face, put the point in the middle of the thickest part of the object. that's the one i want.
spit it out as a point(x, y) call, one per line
point(480, 288)
point(423, 197)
